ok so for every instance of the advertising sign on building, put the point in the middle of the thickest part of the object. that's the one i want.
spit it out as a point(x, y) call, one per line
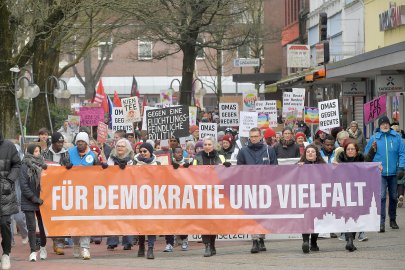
point(357, 88)
point(389, 83)
point(228, 114)
point(328, 114)
point(246, 62)
point(298, 56)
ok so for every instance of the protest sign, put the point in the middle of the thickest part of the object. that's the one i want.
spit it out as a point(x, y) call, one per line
point(117, 121)
point(192, 114)
point(311, 115)
point(375, 108)
point(228, 114)
point(267, 113)
point(328, 114)
point(208, 129)
point(73, 124)
point(131, 110)
point(287, 103)
point(145, 109)
point(249, 99)
point(297, 100)
point(248, 120)
point(102, 130)
point(166, 96)
point(211, 199)
point(90, 116)
point(167, 122)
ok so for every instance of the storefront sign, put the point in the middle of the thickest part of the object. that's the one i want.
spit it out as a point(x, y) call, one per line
point(374, 109)
point(389, 83)
point(392, 18)
point(298, 56)
point(246, 62)
point(357, 88)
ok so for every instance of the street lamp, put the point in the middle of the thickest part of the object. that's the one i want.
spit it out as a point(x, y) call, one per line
point(58, 92)
point(27, 92)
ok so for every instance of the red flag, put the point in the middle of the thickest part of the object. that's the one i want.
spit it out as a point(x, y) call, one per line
point(134, 88)
point(117, 100)
point(101, 97)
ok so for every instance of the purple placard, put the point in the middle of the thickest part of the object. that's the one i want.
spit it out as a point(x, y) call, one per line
point(90, 116)
point(318, 198)
point(374, 109)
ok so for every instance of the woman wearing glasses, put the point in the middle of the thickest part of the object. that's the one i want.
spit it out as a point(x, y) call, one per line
point(146, 157)
point(209, 156)
point(351, 153)
point(122, 155)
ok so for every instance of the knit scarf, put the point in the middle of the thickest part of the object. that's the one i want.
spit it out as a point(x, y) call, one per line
point(120, 161)
point(286, 143)
point(34, 165)
point(355, 134)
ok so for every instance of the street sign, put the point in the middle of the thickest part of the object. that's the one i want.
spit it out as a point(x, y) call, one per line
point(354, 88)
point(246, 62)
point(298, 56)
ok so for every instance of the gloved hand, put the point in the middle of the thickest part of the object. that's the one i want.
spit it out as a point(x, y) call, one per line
point(400, 173)
point(104, 165)
point(227, 164)
point(69, 166)
point(186, 165)
point(122, 166)
point(175, 165)
point(44, 166)
point(36, 200)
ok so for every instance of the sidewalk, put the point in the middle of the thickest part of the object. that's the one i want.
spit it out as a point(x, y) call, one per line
point(381, 251)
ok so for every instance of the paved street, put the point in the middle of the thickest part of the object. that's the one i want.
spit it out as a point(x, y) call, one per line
point(381, 251)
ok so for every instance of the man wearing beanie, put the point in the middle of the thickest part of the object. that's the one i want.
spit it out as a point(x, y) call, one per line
point(58, 154)
point(391, 154)
point(81, 155)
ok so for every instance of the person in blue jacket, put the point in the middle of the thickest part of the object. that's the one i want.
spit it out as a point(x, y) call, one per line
point(81, 155)
point(391, 154)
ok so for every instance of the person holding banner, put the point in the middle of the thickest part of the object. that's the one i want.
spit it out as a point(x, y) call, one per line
point(257, 153)
point(122, 155)
point(311, 156)
point(30, 183)
point(146, 157)
point(209, 156)
point(81, 155)
point(228, 149)
point(391, 154)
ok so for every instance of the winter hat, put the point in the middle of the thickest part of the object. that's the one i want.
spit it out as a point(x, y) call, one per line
point(228, 138)
point(269, 132)
point(382, 120)
point(287, 128)
point(300, 134)
point(82, 136)
point(96, 149)
point(57, 137)
point(193, 128)
point(199, 144)
point(147, 146)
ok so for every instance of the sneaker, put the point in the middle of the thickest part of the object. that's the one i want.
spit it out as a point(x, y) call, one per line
point(76, 251)
point(32, 258)
point(58, 250)
point(362, 237)
point(184, 245)
point(5, 262)
point(86, 254)
point(168, 248)
point(400, 201)
point(43, 254)
point(342, 237)
point(24, 241)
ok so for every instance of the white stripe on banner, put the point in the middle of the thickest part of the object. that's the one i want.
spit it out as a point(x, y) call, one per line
point(155, 217)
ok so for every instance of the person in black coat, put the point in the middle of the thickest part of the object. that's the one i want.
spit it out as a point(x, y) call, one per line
point(30, 183)
point(9, 170)
point(311, 156)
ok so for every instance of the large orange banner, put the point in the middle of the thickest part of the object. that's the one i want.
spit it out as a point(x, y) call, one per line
point(85, 201)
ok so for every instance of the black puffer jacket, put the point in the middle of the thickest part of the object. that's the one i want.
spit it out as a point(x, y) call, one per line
point(30, 191)
point(9, 171)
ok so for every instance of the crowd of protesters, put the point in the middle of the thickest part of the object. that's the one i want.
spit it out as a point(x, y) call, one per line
point(262, 147)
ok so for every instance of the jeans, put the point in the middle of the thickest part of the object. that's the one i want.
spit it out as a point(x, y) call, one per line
point(31, 225)
point(151, 240)
point(389, 182)
point(5, 224)
point(21, 224)
point(83, 241)
point(114, 240)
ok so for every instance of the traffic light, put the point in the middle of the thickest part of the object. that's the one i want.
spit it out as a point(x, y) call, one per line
point(323, 26)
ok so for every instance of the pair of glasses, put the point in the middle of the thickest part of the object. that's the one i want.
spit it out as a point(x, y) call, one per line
point(143, 151)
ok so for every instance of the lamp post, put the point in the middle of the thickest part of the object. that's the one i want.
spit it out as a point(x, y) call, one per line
point(28, 92)
point(58, 92)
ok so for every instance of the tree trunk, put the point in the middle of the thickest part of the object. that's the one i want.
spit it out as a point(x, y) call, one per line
point(89, 80)
point(45, 63)
point(189, 57)
point(219, 74)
